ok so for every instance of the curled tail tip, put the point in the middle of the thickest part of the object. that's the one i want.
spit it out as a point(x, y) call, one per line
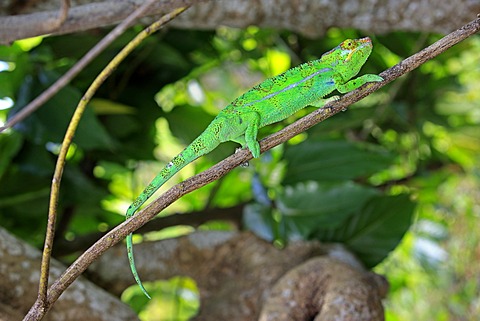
point(132, 266)
point(145, 291)
point(139, 282)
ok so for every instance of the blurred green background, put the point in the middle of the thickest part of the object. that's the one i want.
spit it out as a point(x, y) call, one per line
point(397, 171)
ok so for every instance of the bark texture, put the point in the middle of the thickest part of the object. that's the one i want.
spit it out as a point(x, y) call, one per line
point(241, 277)
point(20, 18)
point(19, 274)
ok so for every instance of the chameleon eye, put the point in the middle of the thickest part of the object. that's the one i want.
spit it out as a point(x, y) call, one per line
point(347, 44)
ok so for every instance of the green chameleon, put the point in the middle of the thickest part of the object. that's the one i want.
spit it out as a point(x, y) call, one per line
point(271, 101)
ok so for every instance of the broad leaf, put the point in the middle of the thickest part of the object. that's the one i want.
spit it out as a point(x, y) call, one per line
point(375, 229)
point(259, 219)
point(306, 207)
point(330, 160)
point(48, 124)
point(10, 144)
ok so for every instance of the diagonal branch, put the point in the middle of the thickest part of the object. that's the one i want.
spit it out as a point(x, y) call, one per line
point(82, 63)
point(222, 168)
point(79, 18)
point(23, 26)
point(194, 219)
point(41, 307)
point(52, 213)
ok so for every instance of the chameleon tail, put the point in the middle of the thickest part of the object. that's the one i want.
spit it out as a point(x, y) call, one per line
point(200, 146)
point(131, 260)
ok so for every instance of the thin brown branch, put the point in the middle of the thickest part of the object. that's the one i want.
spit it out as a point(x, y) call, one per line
point(51, 25)
point(79, 18)
point(77, 68)
point(55, 189)
point(23, 26)
point(232, 215)
point(62, 15)
point(57, 177)
point(307, 17)
point(228, 164)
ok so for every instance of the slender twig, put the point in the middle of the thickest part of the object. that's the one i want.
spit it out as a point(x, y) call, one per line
point(228, 164)
point(52, 211)
point(50, 25)
point(78, 67)
point(381, 109)
point(233, 215)
point(83, 16)
point(62, 15)
point(13, 27)
point(52, 214)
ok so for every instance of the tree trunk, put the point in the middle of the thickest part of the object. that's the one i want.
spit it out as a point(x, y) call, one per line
point(19, 273)
point(21, 19)
point(241, 277)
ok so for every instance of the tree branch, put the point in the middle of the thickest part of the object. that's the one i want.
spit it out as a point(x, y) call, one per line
point(228, 164)
point(50, 22)
point(216, 260)
point(326, 289)
point(41, 306)
point(19, 276)
point(83, 17)
point(78, 67)
point(308, 17)
point(231, 214)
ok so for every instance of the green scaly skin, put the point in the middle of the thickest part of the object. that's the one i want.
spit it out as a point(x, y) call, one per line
point(271, 101)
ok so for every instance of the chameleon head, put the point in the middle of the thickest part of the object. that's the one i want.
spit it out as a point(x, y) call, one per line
point(349, 56)
point(356, 48)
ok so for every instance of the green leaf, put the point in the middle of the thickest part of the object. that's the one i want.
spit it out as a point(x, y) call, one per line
point(330, 160)
point(49, 123)
point(10, 144)
point(352, 118)
point(24, 204)
point(258, 219)
point(188, 122)
point(375, 229)
point(36, 160)
point(19, 67)
point(307, 207)
point(109, 107)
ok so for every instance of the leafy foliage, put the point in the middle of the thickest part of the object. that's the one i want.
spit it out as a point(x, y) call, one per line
point(411, 149)
point(340, 160)
point(324, 203)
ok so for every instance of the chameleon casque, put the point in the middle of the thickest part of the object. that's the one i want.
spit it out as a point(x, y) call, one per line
point(271, 101)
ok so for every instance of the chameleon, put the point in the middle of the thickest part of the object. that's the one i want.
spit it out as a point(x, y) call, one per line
point(271, 101)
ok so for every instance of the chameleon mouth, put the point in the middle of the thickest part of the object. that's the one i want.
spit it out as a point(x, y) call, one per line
point(350, 55)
